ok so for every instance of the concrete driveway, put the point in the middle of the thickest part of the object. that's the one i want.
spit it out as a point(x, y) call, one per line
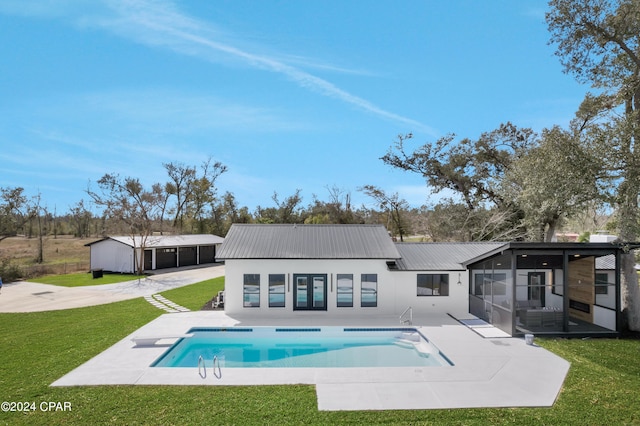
point(25, 296)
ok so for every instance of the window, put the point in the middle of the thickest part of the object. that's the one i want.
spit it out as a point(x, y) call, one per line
point(276, 290)
point(488, 284)
point(433, 284)
point(369, 290)
point(602, 283)
point(345, 290)
point(251, 291)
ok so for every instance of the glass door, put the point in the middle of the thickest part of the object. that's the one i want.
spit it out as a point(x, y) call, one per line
point(310, 292)
point(536, 290)
point(301, 291)
point(319, 292)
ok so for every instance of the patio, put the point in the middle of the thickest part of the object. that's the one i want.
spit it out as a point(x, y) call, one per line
point(487, 372)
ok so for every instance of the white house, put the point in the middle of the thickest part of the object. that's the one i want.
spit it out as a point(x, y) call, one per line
point(343, 270)
point(116, 254)
point(272, 269)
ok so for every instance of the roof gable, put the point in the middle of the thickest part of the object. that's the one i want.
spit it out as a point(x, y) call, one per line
point(257, 241)
point(166, 240)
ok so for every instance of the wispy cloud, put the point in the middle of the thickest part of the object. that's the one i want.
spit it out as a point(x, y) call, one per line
point(306, 62)
point(179, 112)
point(161, 24)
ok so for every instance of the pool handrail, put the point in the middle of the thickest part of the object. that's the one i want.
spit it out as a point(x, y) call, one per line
point(407, 321)
point(216, 362)
point(202, 369)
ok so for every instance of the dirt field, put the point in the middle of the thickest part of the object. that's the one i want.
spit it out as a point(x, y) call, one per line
point(62, 255)
point(63, 249)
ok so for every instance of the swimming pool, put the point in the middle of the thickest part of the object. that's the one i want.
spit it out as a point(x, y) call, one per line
point(291, 347)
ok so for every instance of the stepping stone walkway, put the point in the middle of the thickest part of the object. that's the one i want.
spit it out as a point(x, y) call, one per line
point(165, 304)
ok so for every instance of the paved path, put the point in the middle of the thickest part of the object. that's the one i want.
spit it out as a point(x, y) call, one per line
point(165, 304)
point(25, 296)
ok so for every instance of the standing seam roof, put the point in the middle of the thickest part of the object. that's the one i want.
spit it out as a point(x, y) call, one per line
point(257, 241)
point(441, 256)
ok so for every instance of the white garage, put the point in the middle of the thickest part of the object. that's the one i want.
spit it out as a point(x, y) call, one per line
point(121, 253)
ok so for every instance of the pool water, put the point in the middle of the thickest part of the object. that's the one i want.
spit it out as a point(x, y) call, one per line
point(271, 347)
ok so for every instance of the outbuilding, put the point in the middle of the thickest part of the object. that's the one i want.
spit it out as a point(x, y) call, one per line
point(121, 253)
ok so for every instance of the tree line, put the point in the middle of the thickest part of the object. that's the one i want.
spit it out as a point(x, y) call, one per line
point(127, 206)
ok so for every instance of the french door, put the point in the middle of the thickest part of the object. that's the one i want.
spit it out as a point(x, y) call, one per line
point(310, 292)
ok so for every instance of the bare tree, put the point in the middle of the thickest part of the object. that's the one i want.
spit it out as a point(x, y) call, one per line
point(38, 212)
point(126, 200)
point(393, 205)
point(192, 191)
point(15, 211)
point(81, 218)
point(180, 186)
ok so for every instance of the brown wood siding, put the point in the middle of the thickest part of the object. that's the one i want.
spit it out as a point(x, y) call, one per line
point(582, 288)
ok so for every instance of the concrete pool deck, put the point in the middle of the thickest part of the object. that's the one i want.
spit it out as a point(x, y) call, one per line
point(487, 372)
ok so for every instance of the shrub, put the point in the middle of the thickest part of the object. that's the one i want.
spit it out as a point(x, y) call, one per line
point(9, 270)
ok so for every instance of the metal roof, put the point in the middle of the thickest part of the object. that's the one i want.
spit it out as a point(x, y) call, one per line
point(258, 241)
point(167, 240)
point(441, 256)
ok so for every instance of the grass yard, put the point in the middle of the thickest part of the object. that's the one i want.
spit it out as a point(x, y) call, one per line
point(81, 279)
point(603, 385)
point(192, 296)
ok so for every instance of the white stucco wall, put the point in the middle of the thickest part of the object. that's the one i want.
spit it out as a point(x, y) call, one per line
point(396, 289)
point(456, 303)
point(112, 256)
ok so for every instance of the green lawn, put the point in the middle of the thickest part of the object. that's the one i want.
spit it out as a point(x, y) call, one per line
point(83, 279)
point(603, 385)
point(195, 296)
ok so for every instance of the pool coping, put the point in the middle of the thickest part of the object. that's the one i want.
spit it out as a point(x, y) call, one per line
point(487, 372)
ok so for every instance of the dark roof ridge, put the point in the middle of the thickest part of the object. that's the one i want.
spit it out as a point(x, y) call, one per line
point(452, 242)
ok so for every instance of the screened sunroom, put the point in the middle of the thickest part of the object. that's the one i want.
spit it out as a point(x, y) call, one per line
point(548, 288)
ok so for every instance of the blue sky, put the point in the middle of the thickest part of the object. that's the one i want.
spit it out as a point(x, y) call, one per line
point(287, 94)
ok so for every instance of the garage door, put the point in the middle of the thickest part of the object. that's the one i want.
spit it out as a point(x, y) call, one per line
point(166, 258)
point(188, 256)
point(207, 254)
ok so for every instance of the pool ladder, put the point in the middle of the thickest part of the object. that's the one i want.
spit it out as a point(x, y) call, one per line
point(216, 366)
point(202, 369)
point(407, 321)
